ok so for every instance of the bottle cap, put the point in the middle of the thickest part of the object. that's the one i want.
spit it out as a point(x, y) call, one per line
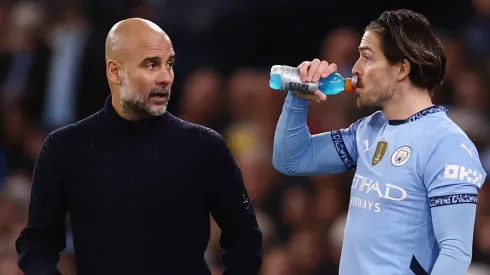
point(350, 84)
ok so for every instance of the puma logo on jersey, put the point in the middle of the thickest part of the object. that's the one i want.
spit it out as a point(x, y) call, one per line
point(467, 149)
point(366, 145)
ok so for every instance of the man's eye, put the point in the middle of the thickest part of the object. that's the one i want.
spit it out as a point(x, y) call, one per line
point(170, 64)
point(150, 66)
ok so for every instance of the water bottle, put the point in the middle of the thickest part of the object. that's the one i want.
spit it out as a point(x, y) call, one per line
point(286, 78)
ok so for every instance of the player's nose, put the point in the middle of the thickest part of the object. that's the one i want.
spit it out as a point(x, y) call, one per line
point(357, 69)
point(164, 77)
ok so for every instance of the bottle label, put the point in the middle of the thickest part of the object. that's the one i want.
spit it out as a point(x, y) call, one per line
point(301, 87)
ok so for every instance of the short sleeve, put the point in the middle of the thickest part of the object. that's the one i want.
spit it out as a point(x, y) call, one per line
point(453, 173)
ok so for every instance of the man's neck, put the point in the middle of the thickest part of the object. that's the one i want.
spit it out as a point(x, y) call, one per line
point(120, 110)
point(404, 105)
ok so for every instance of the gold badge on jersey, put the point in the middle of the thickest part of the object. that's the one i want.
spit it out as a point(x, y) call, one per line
point(379, 153)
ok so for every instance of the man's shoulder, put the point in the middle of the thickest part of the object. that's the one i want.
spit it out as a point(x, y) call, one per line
point(375, 118)
point(440, 129)
point(195, 131)
point(447, 145)
point(73, 130)
point(372, 122)
point(443, 138)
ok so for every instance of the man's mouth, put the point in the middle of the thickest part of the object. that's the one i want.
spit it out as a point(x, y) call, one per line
point(160, 94)
point(358, 84)
point(159, 97)
point(358, 87)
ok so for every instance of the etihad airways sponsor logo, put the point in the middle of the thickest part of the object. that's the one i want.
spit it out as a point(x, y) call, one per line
point(364, 188)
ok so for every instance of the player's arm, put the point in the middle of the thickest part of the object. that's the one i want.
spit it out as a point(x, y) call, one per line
point(41, 241)
point(231, 208)
point(453, 177)
point(297, 152)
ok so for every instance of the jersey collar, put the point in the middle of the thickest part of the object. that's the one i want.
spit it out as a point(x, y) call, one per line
point(419, 115)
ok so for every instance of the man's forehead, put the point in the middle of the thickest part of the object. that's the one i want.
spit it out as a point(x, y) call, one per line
point(133, 37)
point(149, 39)
point(369, 41)
point(152, 45)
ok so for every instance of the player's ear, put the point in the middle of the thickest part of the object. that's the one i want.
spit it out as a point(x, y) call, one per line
point(403, 70)
point(114, 72)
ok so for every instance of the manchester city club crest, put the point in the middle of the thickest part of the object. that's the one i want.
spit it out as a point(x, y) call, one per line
point(380, 152)
point(401, 156)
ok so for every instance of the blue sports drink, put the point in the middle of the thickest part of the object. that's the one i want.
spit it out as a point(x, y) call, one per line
point(286, 78)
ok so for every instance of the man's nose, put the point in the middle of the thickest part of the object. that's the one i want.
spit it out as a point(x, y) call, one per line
point(356, 69)
point(164, 77)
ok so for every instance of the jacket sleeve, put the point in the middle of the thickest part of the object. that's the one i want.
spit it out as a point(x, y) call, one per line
point(41, 241)
point(230, 206)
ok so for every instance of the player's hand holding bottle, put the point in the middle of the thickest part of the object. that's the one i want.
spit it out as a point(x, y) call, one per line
point(313, 80)
point(312, 71)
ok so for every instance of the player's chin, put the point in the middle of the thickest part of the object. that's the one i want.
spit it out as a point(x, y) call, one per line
point(364, 102)
point(157, 110)
point(361, 102)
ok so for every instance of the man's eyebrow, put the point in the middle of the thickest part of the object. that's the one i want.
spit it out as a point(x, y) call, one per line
point(151, 59)
point(365, 48)
point(157, 59)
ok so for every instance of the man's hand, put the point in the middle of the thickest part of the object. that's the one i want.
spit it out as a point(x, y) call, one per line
point(312, 71)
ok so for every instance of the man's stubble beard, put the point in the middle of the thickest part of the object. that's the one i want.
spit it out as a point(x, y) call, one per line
point(378, 101)
point(135, 104)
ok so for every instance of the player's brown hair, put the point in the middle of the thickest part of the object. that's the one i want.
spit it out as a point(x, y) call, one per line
point(405, 34)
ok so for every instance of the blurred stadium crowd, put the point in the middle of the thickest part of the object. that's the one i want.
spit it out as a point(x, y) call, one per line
point(52, 73)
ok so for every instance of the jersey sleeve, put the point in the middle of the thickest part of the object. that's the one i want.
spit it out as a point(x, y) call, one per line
point(345, 144)
point(453, 229)
point(297, 152)
point(453, 177)
point(453, 173)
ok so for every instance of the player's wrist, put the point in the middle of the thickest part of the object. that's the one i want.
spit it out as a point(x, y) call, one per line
point(293, 100)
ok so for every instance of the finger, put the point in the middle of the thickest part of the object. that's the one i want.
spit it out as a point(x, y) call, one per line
point(313, 68)
point(319, 95)
point(331, 68)
point(303, 70)
point(319, 73)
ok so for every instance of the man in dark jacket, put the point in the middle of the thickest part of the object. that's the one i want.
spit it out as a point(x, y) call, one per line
point(139, 183)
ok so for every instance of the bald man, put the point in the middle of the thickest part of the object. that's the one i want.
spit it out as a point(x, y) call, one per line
point(139, 184)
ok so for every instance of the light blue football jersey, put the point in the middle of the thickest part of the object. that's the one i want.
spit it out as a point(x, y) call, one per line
point(414, 193)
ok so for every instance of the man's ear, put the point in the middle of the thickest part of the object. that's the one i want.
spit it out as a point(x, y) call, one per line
point(114, 71)
point(403, 70)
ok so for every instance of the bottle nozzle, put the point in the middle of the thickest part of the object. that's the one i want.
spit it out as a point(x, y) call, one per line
point(350, 84)
point(354, 81)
